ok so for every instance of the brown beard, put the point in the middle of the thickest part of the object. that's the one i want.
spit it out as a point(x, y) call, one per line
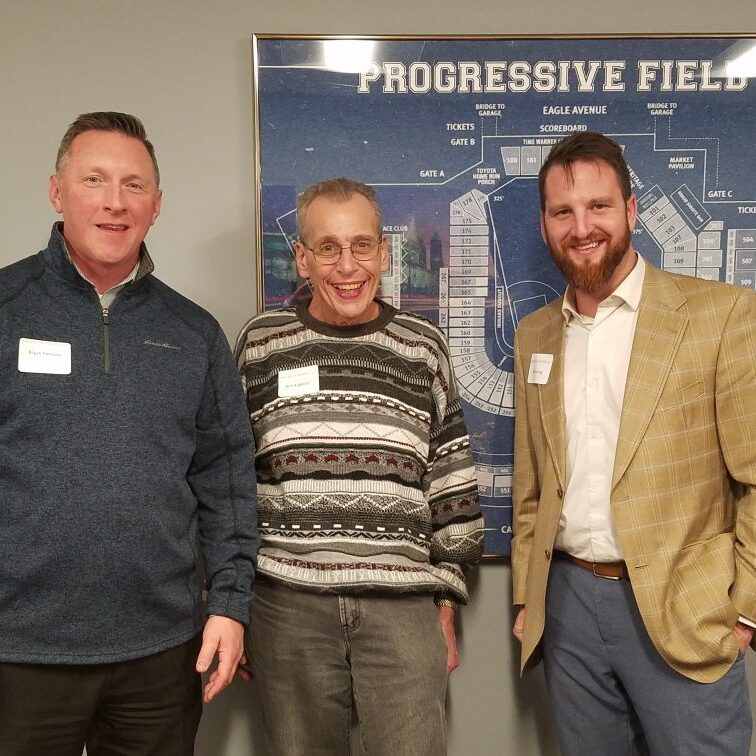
point(588, 277)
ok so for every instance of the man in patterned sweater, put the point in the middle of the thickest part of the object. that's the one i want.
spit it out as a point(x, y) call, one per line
point(368, 506)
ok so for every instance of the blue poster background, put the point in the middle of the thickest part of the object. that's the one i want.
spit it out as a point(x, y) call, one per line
point(455, 168)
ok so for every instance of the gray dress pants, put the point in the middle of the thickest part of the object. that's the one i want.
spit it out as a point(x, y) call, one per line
point(611, 692)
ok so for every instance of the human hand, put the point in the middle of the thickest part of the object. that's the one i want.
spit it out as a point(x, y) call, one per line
point(519, 624)
point(743, 634)
point(224, 636)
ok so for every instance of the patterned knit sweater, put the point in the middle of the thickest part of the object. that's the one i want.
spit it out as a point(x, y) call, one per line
point(365, 478)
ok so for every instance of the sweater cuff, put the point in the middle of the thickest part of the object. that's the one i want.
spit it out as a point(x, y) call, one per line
point(444, 599)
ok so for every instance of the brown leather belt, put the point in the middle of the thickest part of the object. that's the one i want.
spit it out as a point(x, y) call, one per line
point(606, 570)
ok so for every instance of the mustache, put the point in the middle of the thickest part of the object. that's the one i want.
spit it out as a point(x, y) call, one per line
point(575, 241)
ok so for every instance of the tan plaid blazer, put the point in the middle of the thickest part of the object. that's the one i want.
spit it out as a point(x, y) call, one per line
point(684, 483)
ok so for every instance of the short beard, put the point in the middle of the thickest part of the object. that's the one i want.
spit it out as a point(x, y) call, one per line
point(589, 277)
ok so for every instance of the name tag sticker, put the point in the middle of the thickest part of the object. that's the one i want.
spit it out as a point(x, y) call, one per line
point(299, 381)
point(540, 367)
point(51, 357)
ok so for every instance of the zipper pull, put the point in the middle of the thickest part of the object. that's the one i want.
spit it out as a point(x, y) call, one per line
point(106, 338)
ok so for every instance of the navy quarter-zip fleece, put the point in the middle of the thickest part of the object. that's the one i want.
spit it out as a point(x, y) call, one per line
point(118, 480)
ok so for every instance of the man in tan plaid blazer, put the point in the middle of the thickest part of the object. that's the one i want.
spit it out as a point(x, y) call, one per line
point(634, 552)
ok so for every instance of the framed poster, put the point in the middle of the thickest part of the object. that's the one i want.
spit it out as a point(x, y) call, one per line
point(451, 132)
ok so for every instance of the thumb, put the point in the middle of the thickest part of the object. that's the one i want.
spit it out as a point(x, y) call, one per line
point(206, 654)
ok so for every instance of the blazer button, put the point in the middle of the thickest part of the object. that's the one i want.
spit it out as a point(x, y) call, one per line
point(547, 554)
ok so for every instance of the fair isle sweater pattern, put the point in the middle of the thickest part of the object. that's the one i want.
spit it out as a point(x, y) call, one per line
point(368, 482)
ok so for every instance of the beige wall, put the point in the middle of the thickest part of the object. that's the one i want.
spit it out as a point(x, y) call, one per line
point(184, 67)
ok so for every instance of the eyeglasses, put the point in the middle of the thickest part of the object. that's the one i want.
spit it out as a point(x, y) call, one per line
point(328, 252)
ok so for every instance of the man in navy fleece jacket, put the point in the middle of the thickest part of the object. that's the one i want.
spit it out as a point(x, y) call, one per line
point(126, 474)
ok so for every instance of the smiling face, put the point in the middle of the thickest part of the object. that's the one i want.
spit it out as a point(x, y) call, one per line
point(107, 192)
point(587, 225)
point(343, 292)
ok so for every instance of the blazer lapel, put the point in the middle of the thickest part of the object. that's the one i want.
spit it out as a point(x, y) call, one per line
point(658, 333)
point(552, 393)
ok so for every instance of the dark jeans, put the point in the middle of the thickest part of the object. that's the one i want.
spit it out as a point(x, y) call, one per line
point(143, 707)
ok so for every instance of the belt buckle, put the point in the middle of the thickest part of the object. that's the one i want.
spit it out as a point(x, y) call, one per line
point(604, 577)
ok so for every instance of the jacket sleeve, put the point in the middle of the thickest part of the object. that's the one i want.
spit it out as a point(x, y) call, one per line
point(735, 399)
point(525, 489)
point(222, 477)
point(450, 483)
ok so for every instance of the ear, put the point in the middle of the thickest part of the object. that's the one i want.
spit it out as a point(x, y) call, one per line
point(300, 254)
point(158, 206)
point(53, 192)
point(543, 230)
point(383, 252)
point(632, 211)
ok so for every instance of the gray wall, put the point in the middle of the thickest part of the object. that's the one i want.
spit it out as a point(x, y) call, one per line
point(184, 67)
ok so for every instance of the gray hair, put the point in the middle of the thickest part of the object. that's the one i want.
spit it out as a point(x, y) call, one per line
point(341, 190)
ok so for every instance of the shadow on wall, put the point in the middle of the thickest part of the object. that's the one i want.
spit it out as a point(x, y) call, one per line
point(530, 704)
point(231, 724)
point(531, 708)
point(493, 711)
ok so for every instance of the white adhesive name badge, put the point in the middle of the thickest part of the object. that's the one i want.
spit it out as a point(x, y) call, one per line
point(299, 381)
point(540, 367)
point(52, 357)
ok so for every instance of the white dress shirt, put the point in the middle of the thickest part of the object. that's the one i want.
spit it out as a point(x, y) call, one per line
point(596, 357)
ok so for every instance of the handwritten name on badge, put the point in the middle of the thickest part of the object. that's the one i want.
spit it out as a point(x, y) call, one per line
point(540, 368)
point(299, 381)
point(51, 357)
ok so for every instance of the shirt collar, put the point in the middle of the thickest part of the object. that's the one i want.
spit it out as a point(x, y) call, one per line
point(628, 292)
point(129, 278)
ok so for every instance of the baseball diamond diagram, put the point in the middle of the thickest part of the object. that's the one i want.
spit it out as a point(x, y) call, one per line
point(452, 134)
